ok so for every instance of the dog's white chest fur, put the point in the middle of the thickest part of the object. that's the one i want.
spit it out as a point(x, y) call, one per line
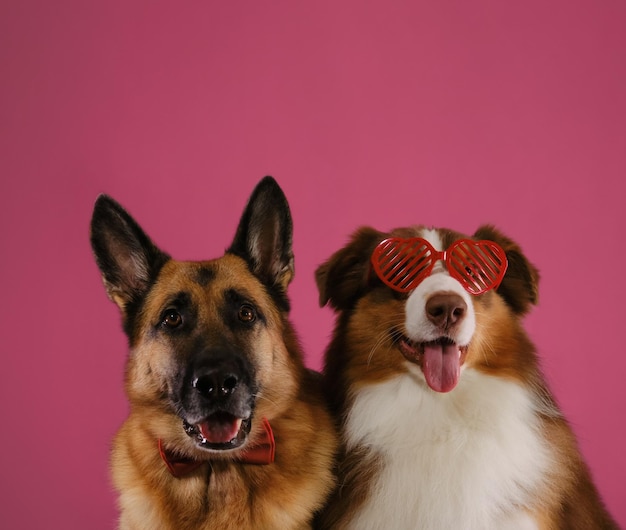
point(468, 459)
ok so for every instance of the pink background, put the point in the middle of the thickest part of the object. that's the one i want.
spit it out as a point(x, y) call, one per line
point(386, 113)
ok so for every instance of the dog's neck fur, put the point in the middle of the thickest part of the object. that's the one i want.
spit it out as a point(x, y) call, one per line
point(477, 447)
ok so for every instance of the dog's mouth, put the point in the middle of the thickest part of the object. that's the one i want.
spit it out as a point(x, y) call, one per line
point(220, 431)
point(440, 360)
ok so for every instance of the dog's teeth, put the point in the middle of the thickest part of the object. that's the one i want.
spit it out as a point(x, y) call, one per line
point(189, 429)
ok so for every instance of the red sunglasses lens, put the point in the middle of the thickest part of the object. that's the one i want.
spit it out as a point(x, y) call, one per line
point(478, 265)
point(403, 263)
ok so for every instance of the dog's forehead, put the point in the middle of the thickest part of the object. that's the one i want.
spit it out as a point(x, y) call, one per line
point(206, 277)
point(434, 237)
point(439, 238)
point(203, 281)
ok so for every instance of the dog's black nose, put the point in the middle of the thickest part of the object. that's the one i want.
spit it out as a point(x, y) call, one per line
point(444, 310)
point(218, 376)
point(215, 383)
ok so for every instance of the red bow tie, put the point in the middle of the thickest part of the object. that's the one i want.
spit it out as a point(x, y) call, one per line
point(260, 453)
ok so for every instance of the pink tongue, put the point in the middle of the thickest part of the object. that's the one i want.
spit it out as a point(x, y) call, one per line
point(441, 366)
point(220, 430)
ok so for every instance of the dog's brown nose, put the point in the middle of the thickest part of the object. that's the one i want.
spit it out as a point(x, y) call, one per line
point(445, 309)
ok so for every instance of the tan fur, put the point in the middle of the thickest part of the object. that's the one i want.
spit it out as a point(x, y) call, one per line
point(362, 352)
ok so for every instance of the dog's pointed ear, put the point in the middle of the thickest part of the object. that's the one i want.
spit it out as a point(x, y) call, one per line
point(128, 260)
point(344, 277)
point(520, 285)
point(264, 236)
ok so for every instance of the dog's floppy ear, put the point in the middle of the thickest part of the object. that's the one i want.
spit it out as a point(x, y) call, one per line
point(264, 236)
point(127, 258)
point(520, 285)
point(343, 278)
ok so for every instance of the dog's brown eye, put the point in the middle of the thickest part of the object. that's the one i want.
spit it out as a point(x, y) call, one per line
point(172, 319)
point(246, 313)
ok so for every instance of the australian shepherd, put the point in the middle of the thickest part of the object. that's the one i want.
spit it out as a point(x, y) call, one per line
point(446, 419)
point(227, 428)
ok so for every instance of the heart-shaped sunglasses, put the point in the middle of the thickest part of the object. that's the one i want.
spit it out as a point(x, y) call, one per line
point(403, 263)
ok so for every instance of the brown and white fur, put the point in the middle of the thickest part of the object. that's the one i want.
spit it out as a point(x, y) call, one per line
point(492, 453)
point(213, 354)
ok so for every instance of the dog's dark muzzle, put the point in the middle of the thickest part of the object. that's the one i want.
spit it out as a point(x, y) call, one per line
point(218, 400)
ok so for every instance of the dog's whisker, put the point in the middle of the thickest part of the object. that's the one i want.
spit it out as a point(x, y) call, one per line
point(260, 397)
point(391, 330)
point(378, 342)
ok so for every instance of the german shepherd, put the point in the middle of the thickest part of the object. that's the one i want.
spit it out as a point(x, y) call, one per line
point(227, 428)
